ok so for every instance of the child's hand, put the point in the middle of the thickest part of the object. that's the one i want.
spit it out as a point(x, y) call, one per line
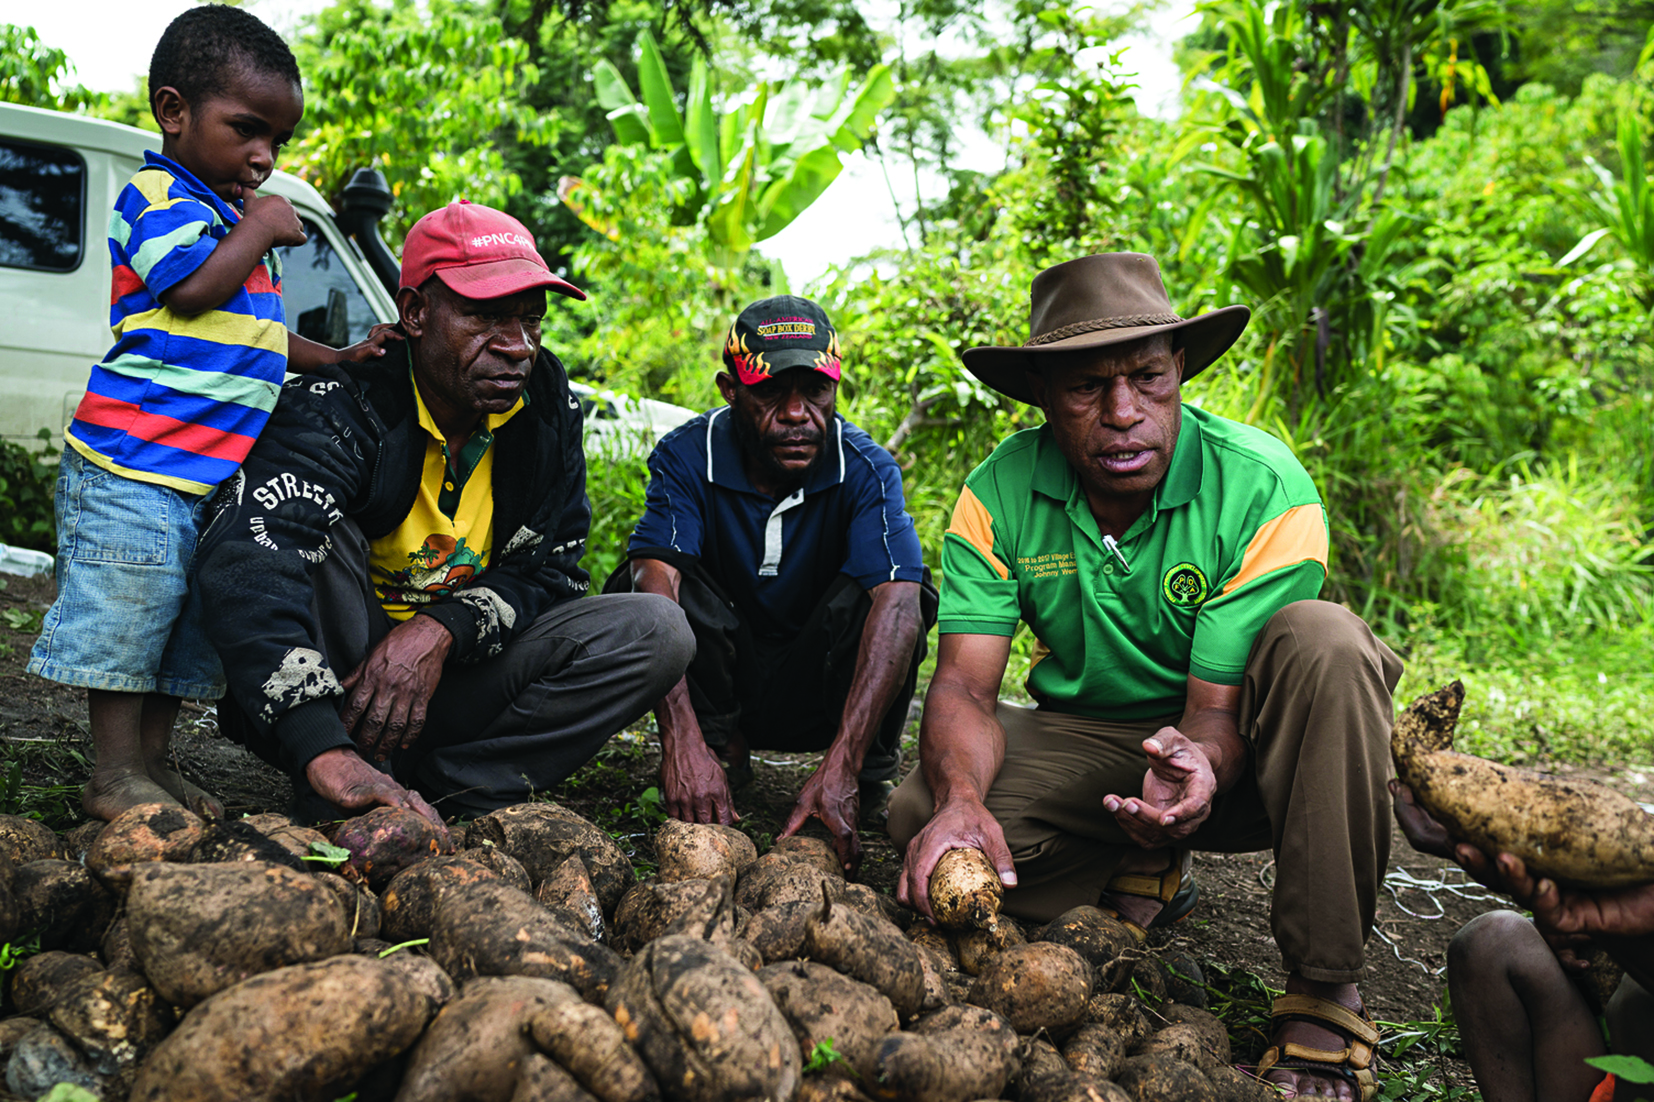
point(373, 346)
point(275, 215)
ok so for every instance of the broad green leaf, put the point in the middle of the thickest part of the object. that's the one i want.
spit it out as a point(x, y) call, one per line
point(701, 132)
point(612, 89)
point(786, 199)
point(656, 88)
point(1582, 248)
point(874, 95)
point(631, 125)
point(1633, 1069)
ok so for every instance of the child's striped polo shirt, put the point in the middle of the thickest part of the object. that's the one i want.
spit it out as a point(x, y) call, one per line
point(1235, 533)
point(179, 399)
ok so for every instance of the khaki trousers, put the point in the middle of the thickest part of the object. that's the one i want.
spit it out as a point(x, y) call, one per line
point(1315, 714)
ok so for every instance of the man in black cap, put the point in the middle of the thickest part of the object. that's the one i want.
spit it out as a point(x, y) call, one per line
point(1191, 693)
point(781, 530)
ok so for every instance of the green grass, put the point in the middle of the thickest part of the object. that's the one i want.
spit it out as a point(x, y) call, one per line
point(53, 803)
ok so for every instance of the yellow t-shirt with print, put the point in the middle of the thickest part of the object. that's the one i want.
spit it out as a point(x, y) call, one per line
point(449, 532)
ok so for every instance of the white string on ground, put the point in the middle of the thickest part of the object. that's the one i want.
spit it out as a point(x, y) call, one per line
point(1434, 973)
point(1399, 880)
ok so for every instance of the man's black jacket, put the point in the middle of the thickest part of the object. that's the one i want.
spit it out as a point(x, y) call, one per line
point(347, 443)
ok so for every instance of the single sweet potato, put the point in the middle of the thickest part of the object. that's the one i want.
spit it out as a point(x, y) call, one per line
point(11, 913)
point(649, 908)
point(1213, 1036)
point(965, 892)
point(1182, 1042)
point(237, 840)
point(45, 979)
point(141, 835)
point(592, 1046)
point(1046, 1076)
point(408, 905)
point(78, 839)
point(474, 1049)
point(116, 948)
point(950, 1065)
point(422, 975)
point(870, 950)
point(542, 1080)
point(778, 932)
point(385, 841)
point(1095, 935)
point(823, 1006)
point(937, 992)
point(43, 1058)
point(1119, 1013)
point(115, 1018)
point(197, 929)
point(810, 851)
point(701, 851)
point(1576, 832)
point(773, 881)
point(62, 901)
point(489, 928)
point(977, 948)
point(1163, 1078)
point(362, 914)
point(24, 840)
point(1035, 986)
point(1185, 979)
point(309, 1031)
point(510, 869)
point(544, 835)
point(705, 1024)
point(1230, 1084)
point(568, 894)
point(1095, 1050)
point(929, 937)
point(823, 1088)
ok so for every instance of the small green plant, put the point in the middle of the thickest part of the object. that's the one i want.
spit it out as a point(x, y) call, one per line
point(824, 1056)
point(325, 853)
point(648, 808)
point(26, 620)
point(397, 948)
point(68, 1092)
point(14, 952)
point(1631, 1069)
point(28, 481)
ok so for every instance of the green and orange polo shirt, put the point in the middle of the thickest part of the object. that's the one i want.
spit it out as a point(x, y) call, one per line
point(1236, 532)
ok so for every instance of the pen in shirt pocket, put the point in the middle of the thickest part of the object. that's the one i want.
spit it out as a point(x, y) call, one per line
point(1114, 549)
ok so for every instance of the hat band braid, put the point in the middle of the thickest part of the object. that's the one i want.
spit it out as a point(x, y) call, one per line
point(1124, 321)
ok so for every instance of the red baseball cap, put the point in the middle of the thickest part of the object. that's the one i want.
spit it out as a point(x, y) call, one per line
point(479, 252)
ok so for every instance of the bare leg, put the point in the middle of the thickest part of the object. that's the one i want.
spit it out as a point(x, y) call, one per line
point(160, 715)
point(120, 776)
point(1526, 1028)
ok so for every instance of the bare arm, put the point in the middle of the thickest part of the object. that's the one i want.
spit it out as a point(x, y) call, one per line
point(832, 793)
point(961, 747)
point(693, 784)
point(266, 221)
point(305, 355)
point(1189, 765)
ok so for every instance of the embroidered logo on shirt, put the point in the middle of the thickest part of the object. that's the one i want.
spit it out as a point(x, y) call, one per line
point(1185, 585)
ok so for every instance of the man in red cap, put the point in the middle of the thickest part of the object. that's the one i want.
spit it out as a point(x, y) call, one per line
point(393, 577)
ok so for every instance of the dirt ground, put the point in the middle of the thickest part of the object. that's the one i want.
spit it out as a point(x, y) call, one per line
point(43, 730)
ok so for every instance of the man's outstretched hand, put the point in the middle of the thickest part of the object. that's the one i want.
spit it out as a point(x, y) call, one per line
point(1177, 792)
point(386, 696)
point(693, 785)
point(833, 796)
point(959, 824)
point(343, 779)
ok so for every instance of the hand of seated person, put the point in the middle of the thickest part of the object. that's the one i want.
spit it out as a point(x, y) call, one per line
point(386, 696)
point(1178, 789)
point(343, 779)
point(372, 346)
point(832, 795)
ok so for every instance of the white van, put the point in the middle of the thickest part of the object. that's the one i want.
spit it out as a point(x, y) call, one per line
point(59, 175)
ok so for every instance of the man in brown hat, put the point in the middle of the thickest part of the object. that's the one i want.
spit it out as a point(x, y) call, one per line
point(1191, 694)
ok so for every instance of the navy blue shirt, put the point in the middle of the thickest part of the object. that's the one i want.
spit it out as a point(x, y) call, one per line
point(775, 559)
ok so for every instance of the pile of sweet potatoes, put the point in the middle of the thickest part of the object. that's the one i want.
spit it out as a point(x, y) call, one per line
point(188, 959)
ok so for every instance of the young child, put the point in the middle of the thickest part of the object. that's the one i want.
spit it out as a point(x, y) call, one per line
point(201, 346)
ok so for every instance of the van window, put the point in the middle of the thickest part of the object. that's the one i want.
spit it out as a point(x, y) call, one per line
point(322, 301)
point(42, 206)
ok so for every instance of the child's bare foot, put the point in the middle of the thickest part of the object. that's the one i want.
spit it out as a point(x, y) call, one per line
point(113, 790)
point(198, 800)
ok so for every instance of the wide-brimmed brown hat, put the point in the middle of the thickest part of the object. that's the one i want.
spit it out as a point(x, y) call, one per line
point(1096, 301)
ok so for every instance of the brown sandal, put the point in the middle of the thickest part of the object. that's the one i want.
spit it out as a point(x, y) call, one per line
point(1174, 886)
point(1352, 1063)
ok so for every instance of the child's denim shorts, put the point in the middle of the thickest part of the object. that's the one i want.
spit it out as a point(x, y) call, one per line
point(127, 616)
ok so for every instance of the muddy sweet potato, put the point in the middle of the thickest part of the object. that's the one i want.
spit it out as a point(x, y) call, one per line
point(421, 974)
point(948, 1065)
point(1576, 832)
point(1090, 932)
point(713, 916)
point(965, 892)
point(1163, 1078)
point(1095, 1050)
point(589, 1043)
point(43, 1058)
point(489, 928)
point(116, 948)
point(295, 839)
point(408, 905)
point(977, 948)
point(385, 841)
point(1230, 1084)
point(822, 1088)
point(11, 914)
point(1120, 1013)
point(62, 901)
point(544, 835)
point(1181, 1042)
point(870, 950)
point(362, 914)
point(649, 908)
point(704, 1024)
point(1035, 986)
point(197, 929)
point(1046, 1076)
point(701, 851)
point(1210, 1031)
point(543, 1080)
point(774, 881)
point(567, 893)
point(778, 932)
point(78, 839)
point(309, 1031)
point(937, 972)
point(24, 840)
point(114, 1018)
point(141, 835)
point(237, 840)
point(810, 851)
point(509, 868)
point(475, 1047)
point(823, 1006)
point(43, 980)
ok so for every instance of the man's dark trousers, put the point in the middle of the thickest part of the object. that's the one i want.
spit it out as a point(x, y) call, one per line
point(785, 694)
point(500, 730)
